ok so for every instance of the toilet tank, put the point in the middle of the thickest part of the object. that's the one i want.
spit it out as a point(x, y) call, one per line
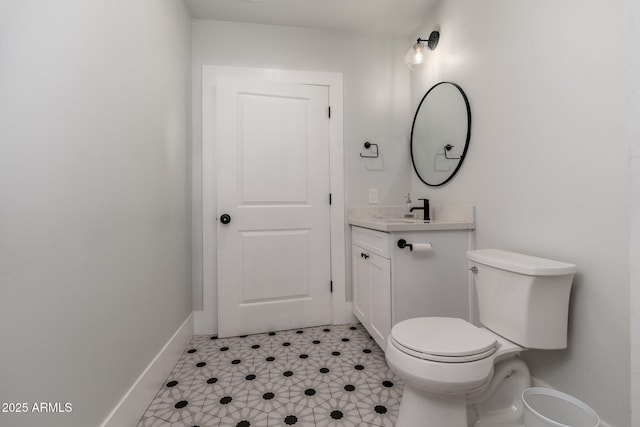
point(522, 298)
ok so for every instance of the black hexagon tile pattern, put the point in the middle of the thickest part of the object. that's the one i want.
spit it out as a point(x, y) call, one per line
point(334, 376)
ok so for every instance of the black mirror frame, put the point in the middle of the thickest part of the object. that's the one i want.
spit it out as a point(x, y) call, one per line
point(466, 144)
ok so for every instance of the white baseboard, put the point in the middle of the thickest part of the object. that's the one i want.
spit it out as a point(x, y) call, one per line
point(135, 402)
point(535, 382)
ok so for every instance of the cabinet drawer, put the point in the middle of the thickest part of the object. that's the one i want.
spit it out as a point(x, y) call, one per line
point(372, 240)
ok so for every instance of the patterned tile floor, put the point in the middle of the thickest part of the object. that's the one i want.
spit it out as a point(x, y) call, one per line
point(327, 376)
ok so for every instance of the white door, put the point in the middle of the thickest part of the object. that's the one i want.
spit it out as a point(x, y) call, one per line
point(273, 183)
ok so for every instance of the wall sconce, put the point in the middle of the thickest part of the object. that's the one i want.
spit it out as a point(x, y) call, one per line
point(418, 51)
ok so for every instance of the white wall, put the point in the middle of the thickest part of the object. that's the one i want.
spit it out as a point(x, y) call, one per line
point(547, 165)
point(94, 199)
point(633, 63)
point(376, 99)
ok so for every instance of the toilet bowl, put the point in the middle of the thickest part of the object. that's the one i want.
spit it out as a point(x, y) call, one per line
point(444, 362)
point(447, 363)
point(445, 355)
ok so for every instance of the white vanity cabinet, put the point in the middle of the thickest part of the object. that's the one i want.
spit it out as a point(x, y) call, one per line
point(391, 284)
point(372, 282)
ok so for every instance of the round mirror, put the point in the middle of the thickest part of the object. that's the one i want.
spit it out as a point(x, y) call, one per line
point(440, 133)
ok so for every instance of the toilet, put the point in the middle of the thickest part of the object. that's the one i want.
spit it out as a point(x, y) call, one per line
point(448, 363)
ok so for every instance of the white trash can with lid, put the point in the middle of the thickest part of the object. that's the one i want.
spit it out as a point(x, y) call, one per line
point(545, 407)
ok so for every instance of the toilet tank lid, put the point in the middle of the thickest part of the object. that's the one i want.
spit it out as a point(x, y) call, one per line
point(520, 263)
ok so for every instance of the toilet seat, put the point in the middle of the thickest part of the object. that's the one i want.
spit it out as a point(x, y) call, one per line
point(443, 339)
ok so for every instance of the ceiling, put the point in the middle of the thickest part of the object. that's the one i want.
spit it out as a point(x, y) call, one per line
point(371, 17)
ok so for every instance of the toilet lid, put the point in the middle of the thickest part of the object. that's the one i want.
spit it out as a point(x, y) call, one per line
point(444, 337)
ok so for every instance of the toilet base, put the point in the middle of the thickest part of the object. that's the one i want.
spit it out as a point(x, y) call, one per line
point(418, 408)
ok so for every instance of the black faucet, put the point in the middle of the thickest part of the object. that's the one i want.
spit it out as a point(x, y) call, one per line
point(424, 209)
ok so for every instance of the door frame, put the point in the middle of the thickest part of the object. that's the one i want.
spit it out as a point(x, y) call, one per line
point(206, 321)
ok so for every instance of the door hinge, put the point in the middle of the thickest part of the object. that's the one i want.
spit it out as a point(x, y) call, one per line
point(329, 198)
point(331, 286)
point(329, 111)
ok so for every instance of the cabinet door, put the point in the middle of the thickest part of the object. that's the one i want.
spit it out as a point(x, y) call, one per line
point(380, 273)
point(361, 285)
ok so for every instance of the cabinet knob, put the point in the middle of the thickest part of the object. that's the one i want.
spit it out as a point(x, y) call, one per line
point(363, 255)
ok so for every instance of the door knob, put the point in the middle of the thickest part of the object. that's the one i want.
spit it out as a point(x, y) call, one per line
point(225, 218)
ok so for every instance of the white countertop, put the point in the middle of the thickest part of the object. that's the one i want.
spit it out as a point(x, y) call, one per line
point(391, 218)
point(394, 224)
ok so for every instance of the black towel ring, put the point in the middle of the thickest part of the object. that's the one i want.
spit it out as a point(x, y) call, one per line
point(367, 145)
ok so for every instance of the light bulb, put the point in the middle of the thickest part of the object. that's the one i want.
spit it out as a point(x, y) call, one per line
point(415, 55)
point(418, 53)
